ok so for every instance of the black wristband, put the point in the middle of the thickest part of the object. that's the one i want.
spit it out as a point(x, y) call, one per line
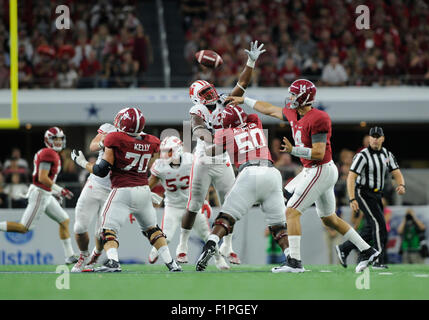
point(351, 200)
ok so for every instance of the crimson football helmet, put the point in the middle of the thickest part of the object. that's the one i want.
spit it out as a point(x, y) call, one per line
point(51, 134)
point(171, 149)
point(203, 92)
point(233, 116)
point(302, 93)
point(129, 120)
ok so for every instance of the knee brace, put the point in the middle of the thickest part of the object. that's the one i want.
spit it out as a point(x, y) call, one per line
point(154, 234)
point(225, 221)
point(278, 231)
point(108, 235)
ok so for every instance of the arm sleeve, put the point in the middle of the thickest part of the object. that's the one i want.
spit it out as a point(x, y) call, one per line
point(393, 164)
point(358, 164)
point(45, 166)
point(319, 137)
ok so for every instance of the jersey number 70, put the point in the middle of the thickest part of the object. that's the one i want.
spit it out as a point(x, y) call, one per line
point(141, 159)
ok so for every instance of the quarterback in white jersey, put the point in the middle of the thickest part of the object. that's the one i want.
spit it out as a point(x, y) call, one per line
point(216, 170)
point(92, 198)
point(173, 171)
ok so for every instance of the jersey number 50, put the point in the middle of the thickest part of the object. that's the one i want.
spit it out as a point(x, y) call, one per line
point(141, 159)
point(246, 143)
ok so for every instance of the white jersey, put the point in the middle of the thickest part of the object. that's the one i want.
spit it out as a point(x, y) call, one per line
point(174, 180)
point(213, 122)
point(105, 182)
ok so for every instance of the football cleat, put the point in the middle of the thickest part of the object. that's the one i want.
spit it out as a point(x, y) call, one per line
point(173, 266)
point(80, 264)
point(231, 256)
point(379, 266)
point(92, 262)
point(71, 260)
point(221, 263)
point(109, 266)
point(208, 251)
point(153, 255)
point(290, 265)
point(366, 258)
point(182, 257)
point(342, 257)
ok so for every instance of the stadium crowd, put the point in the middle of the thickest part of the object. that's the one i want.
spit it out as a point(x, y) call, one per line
point(314, 39)
point(105, 46)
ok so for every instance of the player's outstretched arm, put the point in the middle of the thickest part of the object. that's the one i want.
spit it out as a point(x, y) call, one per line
point(97, 143)
point(260, 106)
point(246, 75)
point(100, 169)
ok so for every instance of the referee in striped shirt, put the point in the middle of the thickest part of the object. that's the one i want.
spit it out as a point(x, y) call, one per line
point(365, 184)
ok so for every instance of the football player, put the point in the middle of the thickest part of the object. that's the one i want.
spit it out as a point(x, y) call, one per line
point(258, 181)
point(91, 200)
point(311, 131)
point(173, 170)
point(217, 170)
point(127, 153)
point(47, 166)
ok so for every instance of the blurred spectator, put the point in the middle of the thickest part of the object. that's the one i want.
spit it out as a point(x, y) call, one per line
point(289, 73)
point(88, 71)
point(4, 73)
point(334, 74)
point(412, 230)
point(313, 71)
point(125, 71)
point(67, 76)
point(142, 52)
point(371, 72)
point(4, 200)
point(16, 155)
point(268, 76)
point(305, 45)
point(392, 70)
point(16, 191)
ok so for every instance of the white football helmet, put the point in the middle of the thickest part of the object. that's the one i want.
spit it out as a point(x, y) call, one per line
point(51, 134)
point(203, 92)
point(171, 149)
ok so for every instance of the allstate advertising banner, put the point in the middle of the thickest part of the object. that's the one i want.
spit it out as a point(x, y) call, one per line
point(41, 246)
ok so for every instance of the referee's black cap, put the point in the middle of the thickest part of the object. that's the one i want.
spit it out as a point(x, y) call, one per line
point(376, 131)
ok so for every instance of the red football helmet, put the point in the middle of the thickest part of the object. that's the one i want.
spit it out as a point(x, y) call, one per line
point(51, 134)
point(302, 93)
point(129, 120)
point(203, 92)
point(233, 116)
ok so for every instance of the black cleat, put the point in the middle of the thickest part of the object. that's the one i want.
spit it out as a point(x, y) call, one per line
point(208, 251)
point(366, 258)
point(173, 266)
point(290, 265)
point(109, 266)
point(379, 266)
point(342, 256)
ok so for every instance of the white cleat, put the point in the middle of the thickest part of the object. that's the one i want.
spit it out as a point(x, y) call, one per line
point(92, 262)
point(221, 263)
point(231, 256)
point(80, 264)
point(153, 255)
point(182, 257)
point(290, 265)
point(366, 258)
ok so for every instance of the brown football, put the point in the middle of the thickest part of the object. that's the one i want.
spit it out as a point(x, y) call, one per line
point(209, 58)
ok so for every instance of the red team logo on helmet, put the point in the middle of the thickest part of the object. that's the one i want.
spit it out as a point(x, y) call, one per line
point(203, 92)
point(51, 134)
point(303, 93)
point(233, 116)
point(129, 120)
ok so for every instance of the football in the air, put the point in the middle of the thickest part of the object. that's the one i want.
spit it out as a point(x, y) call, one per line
point(209, 58)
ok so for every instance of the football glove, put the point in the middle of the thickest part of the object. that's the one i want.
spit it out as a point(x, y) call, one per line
point(254, 53)
point(157, 199)
point(79, 158)
point(62, 192)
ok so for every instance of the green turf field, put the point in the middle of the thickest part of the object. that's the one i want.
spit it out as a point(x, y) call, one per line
point(241, 282)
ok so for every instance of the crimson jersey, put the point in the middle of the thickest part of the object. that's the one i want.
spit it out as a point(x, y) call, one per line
point(132, 155)
point(49, 156)
point(244, 143)
point(312, 123)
